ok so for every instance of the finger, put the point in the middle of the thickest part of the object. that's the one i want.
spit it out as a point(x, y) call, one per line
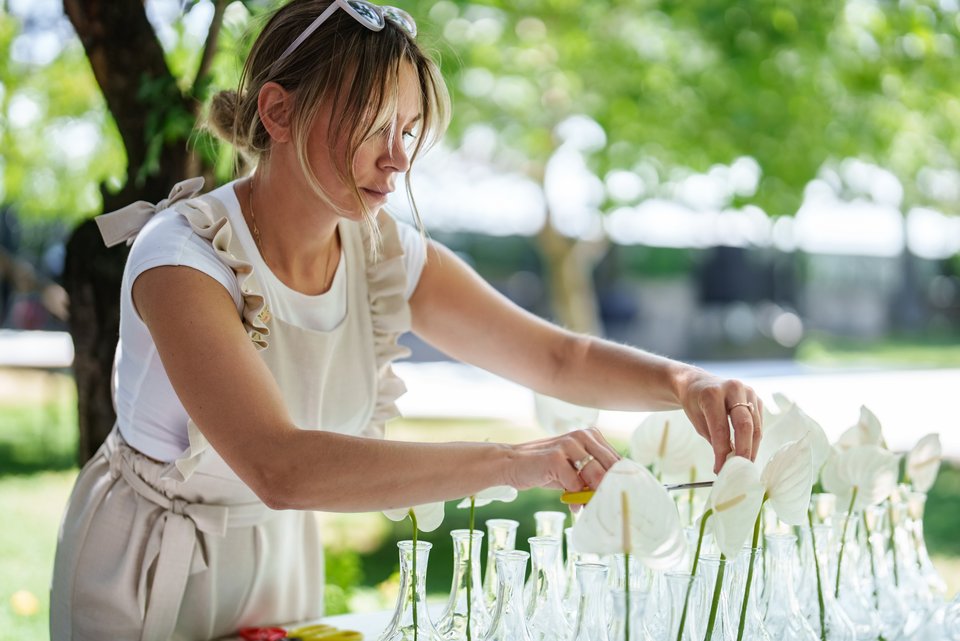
point(567, 476)
point(719, 427)
point(594, 443)
point(757, 426)
point(742, 419)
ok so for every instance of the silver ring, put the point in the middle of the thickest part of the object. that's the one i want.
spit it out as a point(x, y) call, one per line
point(582, 463)
point(749, 406)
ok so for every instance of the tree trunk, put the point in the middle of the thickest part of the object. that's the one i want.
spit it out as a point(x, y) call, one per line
point(141, 94)
point(570, 263)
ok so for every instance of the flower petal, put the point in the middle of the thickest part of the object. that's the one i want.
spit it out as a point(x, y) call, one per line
point(867, 431)
point(397, 515)
point(503, 493)
point(869, 468)
point(429, 516)
point(792, 425)
point(923, 462)
point(655, 534)
point(667, 440)
point(735, 501)
point(788, 480)
point(559, 417)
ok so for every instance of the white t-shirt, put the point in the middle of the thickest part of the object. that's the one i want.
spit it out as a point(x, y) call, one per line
point(149, 414)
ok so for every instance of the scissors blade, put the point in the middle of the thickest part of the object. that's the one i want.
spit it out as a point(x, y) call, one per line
point(688, 486)
point(583, 497)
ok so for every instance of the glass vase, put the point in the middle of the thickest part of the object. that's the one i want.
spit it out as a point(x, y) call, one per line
point(890, 609)
point(591, 618)
point(713, 571)
point(546, 620)
point(684, 606)
point(509, 622)
point(411, 618)
point(852, 593)
point(552, 524)
point(501, 536)
point(824, 614)
point(916, 505)
point(640, 585)
point(466, 572)
point(749, 617)
point(780, 609)
point(571, 596)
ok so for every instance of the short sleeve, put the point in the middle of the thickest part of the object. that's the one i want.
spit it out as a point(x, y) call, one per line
point(168, 239)
point(414, 255)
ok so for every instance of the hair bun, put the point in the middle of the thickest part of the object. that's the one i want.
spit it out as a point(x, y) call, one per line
point(222, 118)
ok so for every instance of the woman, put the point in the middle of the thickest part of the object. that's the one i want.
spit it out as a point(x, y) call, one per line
point(258, 324)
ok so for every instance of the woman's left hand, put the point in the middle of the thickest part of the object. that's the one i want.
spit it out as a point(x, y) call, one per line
point(713, 403)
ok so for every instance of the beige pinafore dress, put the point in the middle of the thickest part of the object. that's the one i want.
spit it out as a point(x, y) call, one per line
point(185, 550)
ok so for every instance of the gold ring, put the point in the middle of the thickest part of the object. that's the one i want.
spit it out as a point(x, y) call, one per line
point(582, 463)
point(749, 406)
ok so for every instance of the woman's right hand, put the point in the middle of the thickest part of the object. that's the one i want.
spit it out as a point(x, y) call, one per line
point(552, 462)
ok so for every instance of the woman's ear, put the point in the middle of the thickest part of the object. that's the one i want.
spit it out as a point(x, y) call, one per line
point(275, 105)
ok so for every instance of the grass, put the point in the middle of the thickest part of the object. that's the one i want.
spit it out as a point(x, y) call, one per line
point(936, 351)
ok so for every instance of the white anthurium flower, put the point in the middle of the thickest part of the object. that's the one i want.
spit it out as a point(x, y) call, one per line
point(869, 469)
point(734, 504)
point(793, 425)
point(787, 479)
point(503, 493)
point(429, 515)
point(651, 530)
point(668, 441)
point(783, 401)
point(867, 431)
point(923, 462)
point(559, 417)
point(700, 465)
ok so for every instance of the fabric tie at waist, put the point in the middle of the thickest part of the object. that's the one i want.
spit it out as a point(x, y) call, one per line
point(173, 548)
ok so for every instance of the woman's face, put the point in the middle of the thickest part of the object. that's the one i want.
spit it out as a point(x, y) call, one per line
point(379, 159)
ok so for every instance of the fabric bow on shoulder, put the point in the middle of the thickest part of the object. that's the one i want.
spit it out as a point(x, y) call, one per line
point(124, 224)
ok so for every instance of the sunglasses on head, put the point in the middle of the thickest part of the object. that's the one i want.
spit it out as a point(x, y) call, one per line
point(372, 16)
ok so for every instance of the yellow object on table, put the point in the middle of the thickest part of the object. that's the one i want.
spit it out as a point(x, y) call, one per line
point(324, 632)
point(581, 497)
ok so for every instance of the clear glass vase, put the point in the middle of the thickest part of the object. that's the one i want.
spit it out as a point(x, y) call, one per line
point(551, 524)
point(591, 618)
point(780, 609)
point(411, 618)
point(640, 585)
point(509, 619)
point(501, 536)
point(715, 571)
point(824, 614)
point(466, 587)
point(571, 595)
point(684, 606)
point(749, 617)
point(951, 620)
point(850, 590)
point(546, 619)
point(890, 609)
point(916, 506)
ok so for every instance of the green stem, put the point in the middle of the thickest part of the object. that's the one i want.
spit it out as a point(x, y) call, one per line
point(693, 574)
point(416, 624)
point(893, 546)
point(816, 567)
point(626, 596)
point(470, 569)
point(715, 604)
point(693, 477)
point(746, 589)
point(843, 540)
point(873, 563)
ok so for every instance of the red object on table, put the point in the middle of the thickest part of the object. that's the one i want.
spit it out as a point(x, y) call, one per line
point(263, 634)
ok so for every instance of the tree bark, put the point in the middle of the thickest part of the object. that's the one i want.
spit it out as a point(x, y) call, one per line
point(141, 94)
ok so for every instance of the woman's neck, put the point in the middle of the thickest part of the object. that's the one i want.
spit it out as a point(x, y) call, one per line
point(296, 236)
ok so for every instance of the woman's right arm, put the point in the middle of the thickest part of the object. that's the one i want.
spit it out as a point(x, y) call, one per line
point(233, 398)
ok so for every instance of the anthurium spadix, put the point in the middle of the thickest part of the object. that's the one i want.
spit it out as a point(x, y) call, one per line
point(867, 431)
point(923, 463)
point(559, 417)
point(668, 442)
point(649, 527)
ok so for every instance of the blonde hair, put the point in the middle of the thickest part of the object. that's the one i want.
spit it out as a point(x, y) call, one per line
point(342, 64)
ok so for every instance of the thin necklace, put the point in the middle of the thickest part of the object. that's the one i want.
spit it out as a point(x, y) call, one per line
point(256, 239)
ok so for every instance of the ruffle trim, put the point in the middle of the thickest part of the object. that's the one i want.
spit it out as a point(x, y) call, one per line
point(390, 316)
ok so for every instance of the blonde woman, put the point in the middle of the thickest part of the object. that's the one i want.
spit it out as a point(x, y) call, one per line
point(258, 324)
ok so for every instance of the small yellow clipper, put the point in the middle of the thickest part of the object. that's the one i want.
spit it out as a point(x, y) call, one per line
point(582, 497)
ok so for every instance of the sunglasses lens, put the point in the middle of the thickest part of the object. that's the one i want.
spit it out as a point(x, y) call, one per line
point(367, 14)
point(402, 19)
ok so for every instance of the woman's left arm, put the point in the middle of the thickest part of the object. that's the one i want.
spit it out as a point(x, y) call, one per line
point(462, 315)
